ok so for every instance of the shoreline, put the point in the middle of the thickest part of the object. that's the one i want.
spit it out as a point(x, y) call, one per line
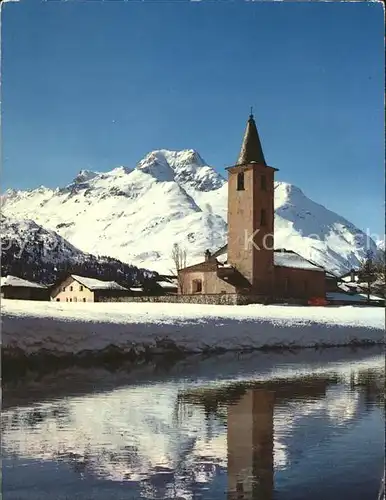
point(45, 382)
point(135, 331)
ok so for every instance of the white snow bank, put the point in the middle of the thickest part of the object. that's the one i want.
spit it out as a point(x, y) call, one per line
point(72, 327)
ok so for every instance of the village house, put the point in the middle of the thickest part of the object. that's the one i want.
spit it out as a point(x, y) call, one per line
point(350, 282)
point(251, 266)
point(350, 290)
point(13, 287)
point(167, 285)
point(81, 289)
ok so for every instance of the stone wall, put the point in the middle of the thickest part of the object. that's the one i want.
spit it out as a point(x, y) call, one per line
point(214, 298)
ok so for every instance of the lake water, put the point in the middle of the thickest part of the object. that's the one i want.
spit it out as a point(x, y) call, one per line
point(295, 426)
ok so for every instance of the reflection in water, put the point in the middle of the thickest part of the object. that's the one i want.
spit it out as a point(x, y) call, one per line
point(250, 440)
point(250, 446)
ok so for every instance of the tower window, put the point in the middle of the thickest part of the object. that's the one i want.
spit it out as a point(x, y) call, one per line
point(263, 218)
point(263, 183)
point(240, 181)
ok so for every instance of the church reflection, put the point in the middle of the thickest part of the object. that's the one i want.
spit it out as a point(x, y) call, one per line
point(250, 427)
point(250, 446)
point(241, 437)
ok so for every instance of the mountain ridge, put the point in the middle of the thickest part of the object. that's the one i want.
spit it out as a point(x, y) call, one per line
point(137, 214)
point(34, 253)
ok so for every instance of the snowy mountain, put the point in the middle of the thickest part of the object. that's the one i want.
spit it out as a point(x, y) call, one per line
point(381, 245)
point(38, 254)
point(136, 215)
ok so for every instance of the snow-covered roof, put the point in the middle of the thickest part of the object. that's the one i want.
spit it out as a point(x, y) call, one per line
point(166, 284)
point(356, 284)
point(344, 287)
point(284, 258)
point(291, 259)
point(15, 281)
point(136, 289)
point(347, 278)
point(94, 284)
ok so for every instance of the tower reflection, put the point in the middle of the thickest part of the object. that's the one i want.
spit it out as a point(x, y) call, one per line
point(250, 433)
point(250, 446)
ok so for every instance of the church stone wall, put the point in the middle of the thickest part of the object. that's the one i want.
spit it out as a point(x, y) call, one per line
point(299, 283)
point(211, 283)
point(240, 221)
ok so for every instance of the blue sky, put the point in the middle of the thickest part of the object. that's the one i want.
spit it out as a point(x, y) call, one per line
point(100, 84)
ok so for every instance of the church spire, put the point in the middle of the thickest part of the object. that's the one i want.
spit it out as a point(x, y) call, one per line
point(251, 150)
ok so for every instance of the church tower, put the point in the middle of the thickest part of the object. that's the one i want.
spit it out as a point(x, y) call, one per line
point(251, 213)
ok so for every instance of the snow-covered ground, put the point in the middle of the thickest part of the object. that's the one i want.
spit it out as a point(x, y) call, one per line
point(73, 327)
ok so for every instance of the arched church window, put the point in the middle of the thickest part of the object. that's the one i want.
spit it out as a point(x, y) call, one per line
point(240, 181)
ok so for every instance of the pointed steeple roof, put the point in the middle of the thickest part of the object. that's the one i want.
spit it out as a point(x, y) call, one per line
point(251, 150)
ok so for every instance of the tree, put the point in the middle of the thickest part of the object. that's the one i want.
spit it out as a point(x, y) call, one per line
point(367, 272)
point(179, 257)
point(379, 284)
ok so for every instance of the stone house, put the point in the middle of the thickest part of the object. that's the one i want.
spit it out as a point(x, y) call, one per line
point(13, 287)
point(82, 289)
point(252, 266)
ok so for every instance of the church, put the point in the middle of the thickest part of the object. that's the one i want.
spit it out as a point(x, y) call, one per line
point(249, 266)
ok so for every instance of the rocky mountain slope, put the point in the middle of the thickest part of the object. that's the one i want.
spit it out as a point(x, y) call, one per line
point(41, 255)
point(136, 215)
